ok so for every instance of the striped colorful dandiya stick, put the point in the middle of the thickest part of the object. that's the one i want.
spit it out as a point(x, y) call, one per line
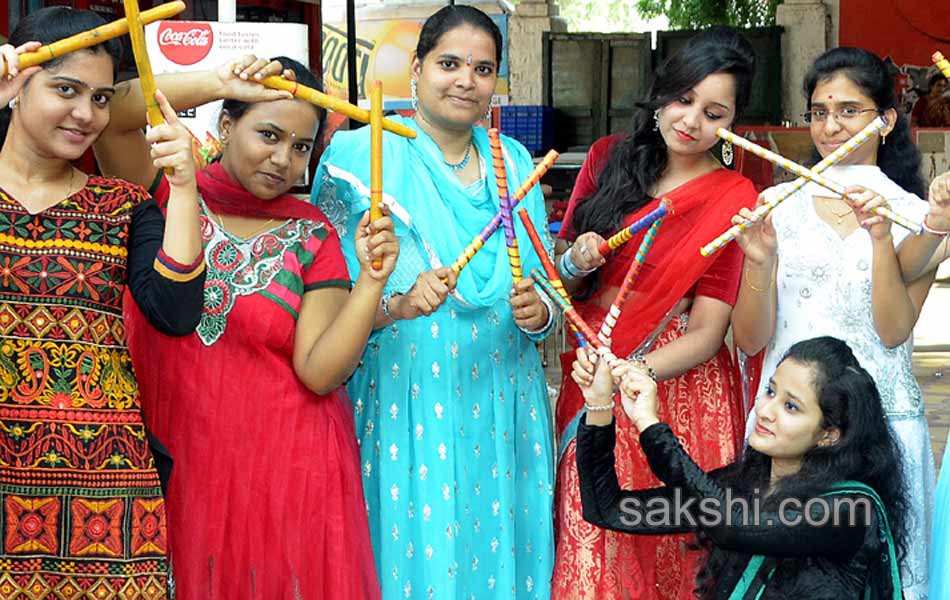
point(574, 318)
point(549, 267)
point(507, 218)
point(476, 244)
point(622, 237)
point(376, 156)
point(569, 311)
point(332, 103)
point(829, 161)
point(817, 178)
point(942, 63)
point(610, 319)
point(98, 35)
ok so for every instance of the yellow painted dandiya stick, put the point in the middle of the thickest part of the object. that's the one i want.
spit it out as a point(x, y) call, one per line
point(376, 155)
point(610, 319)
point(829, 161)
point(475, 245)
point(942, 63)
point(817, 178)
point(100, 34)
point(331, 103)
point(501, 179)
point(142, 63)
point(143, 66)
point(549, 267)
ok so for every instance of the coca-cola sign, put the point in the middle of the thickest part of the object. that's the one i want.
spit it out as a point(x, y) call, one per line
point(185, 43)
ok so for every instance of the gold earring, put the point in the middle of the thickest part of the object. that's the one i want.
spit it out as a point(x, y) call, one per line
point(884, 139)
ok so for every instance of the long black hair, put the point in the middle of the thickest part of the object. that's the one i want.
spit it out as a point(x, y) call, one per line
point(448, 18)
point(51, 24)
point(899, 158)
point(235, 109)
point(866, 451)
point(637, 162)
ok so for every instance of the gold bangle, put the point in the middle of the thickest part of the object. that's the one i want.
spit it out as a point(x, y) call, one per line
point(748, 282)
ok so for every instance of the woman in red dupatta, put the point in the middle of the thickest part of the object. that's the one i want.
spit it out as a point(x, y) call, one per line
point(265, 499)
point(676, 318)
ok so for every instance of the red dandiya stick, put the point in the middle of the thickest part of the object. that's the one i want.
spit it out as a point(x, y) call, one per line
point(376, 156)
point(622, 237)
point(549, 268)
point(610, 320)
point(536, 174)
point(501, 179)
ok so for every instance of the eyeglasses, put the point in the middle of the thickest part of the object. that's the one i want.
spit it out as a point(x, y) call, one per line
point(820, 115)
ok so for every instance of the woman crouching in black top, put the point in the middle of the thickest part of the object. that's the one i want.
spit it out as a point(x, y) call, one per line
point(815, 507)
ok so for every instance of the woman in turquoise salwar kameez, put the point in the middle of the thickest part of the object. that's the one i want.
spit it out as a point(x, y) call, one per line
point(450, 399)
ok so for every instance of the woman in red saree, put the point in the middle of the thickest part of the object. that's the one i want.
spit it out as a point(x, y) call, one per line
point(676, 319)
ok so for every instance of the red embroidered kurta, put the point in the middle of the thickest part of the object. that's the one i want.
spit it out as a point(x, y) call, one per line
point(266, 498)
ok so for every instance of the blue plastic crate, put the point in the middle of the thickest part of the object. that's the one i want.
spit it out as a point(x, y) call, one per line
point(533, 126)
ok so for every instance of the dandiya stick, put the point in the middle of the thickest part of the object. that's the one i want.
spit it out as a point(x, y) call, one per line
point(942, 63)
point(376, 155)
point(549, 268)
point(569, 311)
point(817, 178)
point(829, 161)
point(475, 245)
point(331, 103)
point(624, 236)
point(501, 179)
point(142, 63)
point(143, 66)
point(574, 318)
point(610, 320)
point(100, 34)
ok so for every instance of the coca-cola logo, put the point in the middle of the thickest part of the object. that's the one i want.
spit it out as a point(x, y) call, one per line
point(185, 42)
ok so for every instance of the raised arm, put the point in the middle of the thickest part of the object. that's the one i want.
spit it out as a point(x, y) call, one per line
point(753, 317)
point(920, 254)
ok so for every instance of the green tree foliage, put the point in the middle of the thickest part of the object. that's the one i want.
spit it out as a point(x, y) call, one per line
point(694, 14)
point(600, 15)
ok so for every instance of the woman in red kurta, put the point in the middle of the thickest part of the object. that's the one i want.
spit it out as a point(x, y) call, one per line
point(265, 499)
point(677, 316)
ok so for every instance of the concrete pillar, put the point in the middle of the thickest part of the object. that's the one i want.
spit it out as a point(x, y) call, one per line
point(807, 25)
point(525, 68)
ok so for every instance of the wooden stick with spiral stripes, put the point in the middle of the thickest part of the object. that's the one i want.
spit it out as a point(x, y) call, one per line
point(476, 244)
point(501, 179)
point(622, 237)
point(549, 267)
point(572, 316)
point(814, 177)
point(829, 161)
point(610, 320)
